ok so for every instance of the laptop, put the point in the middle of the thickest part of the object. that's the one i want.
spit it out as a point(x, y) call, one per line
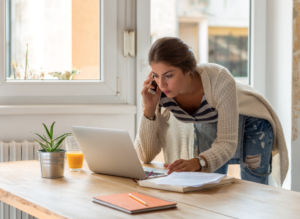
point(111, 152)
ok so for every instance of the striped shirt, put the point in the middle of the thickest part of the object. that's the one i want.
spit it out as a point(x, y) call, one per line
point(204, 114)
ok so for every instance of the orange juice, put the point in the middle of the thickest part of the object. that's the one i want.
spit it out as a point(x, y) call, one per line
point(75, 159)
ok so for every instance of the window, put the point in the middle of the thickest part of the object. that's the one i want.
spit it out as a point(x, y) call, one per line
point(51, 40)
point(216, 31)
point(229, 47)
point(61, 36)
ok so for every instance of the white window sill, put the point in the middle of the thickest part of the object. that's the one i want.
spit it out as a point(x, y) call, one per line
point(67, 109)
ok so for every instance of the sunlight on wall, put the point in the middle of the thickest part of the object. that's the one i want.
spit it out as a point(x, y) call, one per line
point(85, 38)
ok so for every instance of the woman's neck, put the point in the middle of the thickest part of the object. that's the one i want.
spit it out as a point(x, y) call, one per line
point(190, 99)
point(193, 85)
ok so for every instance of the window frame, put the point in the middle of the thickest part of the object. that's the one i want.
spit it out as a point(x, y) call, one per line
point(257, 45)
point(71, 92)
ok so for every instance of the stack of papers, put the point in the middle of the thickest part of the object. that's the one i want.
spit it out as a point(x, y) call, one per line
point(190, 179)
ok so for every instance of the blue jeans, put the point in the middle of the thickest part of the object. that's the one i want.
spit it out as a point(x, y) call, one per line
point(254, 149)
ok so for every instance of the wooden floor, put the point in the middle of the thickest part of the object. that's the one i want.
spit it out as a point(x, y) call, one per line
point(233, 170)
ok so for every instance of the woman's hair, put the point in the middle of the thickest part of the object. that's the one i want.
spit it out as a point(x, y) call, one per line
point(173, 51)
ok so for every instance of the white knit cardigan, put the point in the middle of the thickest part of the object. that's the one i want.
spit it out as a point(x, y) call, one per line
point(230, 99)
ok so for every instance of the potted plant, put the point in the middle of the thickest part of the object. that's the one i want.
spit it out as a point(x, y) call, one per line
point(68, 75)
point(51, 156)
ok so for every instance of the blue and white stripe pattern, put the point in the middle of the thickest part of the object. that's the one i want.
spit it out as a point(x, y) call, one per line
point(204, 114)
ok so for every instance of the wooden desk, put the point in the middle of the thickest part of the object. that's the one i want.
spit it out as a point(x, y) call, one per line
point(71, 197)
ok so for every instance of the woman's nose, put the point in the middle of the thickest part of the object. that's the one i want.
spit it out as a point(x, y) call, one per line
point(160, 83)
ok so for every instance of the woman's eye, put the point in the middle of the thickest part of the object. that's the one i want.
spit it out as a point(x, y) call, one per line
point(154, 76)
point(169, 76)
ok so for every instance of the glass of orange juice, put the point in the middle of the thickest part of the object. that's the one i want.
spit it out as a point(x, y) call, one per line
point(74, 154)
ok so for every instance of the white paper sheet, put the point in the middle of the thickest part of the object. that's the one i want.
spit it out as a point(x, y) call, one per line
point(193, 179)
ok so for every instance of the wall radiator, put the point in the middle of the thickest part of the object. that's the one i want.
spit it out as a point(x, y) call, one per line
point(15, 151)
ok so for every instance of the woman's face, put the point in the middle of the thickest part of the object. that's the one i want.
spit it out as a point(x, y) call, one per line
point(170, 79)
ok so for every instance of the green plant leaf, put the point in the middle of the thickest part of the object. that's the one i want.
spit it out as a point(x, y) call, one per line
point(62, 136)
point(56, 146)
point(39, 136)
point(43, 138)
point(42, 145)
point(49, 144)
point(51, 129)
point(50, 136)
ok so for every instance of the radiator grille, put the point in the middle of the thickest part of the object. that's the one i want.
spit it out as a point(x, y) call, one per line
point(16, 151)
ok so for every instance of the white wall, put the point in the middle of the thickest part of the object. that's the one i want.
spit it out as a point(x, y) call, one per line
point(278, 79)
point(18, 127)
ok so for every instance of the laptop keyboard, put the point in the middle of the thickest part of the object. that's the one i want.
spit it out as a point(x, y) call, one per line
point(154, 173)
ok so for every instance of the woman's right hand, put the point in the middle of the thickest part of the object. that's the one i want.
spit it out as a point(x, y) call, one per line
point(150, 100)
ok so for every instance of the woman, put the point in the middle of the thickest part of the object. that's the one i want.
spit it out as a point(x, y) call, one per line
point(204, 120)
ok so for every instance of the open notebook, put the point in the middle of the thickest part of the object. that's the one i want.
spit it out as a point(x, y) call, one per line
point(151, 183)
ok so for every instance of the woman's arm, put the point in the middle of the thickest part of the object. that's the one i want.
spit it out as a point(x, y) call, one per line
point(147, 144)
point(224, 146)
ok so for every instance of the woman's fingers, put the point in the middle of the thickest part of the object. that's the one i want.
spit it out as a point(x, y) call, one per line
point(184, 169)
point(149, 78)
point(175, 163)
point(147, 81)
point(182, 166)
point(149, 86)
point(150, 74)
point(177, 167)
point(145, 89)
point(150, 100)
point(146, 86)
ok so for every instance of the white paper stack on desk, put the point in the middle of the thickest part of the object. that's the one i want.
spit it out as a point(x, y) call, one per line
point(187, 181)
point(193, 179)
